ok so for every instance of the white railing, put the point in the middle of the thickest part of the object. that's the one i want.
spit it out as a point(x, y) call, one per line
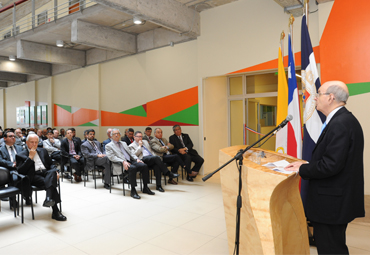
point(41, 16)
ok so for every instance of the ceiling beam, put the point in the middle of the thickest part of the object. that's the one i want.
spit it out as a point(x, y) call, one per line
point(49, 54)
point(24, 67)
point(166, 13)
point(3, 84)
point(102, 37)
point(4, 76)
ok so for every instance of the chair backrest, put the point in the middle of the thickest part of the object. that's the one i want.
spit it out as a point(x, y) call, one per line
point(4, 176)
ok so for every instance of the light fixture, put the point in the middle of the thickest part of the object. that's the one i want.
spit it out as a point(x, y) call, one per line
point(138, 21)
point(172, 44)
point(12, 58)
point(60, 43)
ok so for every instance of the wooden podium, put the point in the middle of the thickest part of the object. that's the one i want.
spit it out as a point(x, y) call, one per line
point(272, 216)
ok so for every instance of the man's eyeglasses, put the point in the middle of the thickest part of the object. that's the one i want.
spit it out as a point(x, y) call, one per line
point(115, 133)
point(139, 136)
point(11, 136)
point(320, 94)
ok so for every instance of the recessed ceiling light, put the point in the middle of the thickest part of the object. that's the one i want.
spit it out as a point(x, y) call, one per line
point(60, 43)
point(12, 58)
point(138, 21)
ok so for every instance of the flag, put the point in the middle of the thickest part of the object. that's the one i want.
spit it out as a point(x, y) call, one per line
point(282, 107)
point(294, 146)
point(312, 119)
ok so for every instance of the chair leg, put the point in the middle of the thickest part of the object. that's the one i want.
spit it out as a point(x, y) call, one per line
point(33, 215)
point(60, 204)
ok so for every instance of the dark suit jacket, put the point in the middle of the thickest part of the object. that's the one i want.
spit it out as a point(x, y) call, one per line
point(5, 157)
point(126, 140)
point(65, 147)
point(336, 172)
point(177, 144)
point(89, 152)
point(26, 166)
point(77, 139)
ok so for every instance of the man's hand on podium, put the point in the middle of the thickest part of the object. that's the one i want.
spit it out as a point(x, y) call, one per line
point(294, 167)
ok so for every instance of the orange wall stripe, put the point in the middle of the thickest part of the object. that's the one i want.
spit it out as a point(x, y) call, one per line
point(119, 119)
point(83, 116)
point(62, 117)
point(273, 64)
point(345, 43)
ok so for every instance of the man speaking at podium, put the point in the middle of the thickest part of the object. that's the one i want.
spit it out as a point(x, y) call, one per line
point(335, 173)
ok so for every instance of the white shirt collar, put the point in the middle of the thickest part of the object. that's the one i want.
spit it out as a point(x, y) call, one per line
point(331, 114)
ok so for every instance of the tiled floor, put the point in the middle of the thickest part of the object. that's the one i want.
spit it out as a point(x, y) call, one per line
point(187, 219)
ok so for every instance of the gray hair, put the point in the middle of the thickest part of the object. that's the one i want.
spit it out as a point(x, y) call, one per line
point(109, 130)
point(339, 93)
point(155, 130)
point(174, 127)
point(31, 135)
point(114, 129)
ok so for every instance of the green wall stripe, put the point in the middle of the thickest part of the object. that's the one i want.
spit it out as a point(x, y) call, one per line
point(188, 116)
point(65, 107)
point(88, 124)
point(136, 111)
point(358, 88)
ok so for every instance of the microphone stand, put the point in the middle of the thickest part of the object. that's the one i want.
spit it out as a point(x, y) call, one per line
point(239, 157)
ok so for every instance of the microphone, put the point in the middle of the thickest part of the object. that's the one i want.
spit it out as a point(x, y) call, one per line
point(283, 123)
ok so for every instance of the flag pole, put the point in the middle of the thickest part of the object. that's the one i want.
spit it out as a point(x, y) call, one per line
point(282, 36)
point(291, 20)
point(306, 8)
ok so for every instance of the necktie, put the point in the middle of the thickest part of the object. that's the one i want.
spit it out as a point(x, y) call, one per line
point(96, 148)
point(13, 153)
point(147, 151)
point(162, 142)
point(182, 142)
point(323, 127)
point(128, 158)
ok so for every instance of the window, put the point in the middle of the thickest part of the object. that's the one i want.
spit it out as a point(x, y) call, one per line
point(42, 18)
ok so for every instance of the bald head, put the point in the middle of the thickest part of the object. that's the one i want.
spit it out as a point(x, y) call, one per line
point(339, 89)
point(331, 95)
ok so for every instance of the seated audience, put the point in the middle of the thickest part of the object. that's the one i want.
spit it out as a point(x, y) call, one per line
point(43, 134)
point(52, 146)
point(62, 134)
point(37, 165)
point(142, 150)
point(72, 149)
point(118, 151)
point(129, 138)
point(75, 137)
point(183, 146)
point(105, 142)
point(147, 136)
point(162, 148)
point(8, 151)
point(91, 149)
point(19, 139)
point(41, 141)
point(56, 134)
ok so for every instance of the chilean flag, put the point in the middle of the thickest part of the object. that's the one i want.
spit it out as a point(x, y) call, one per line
point(294, 146)
point(312, 119)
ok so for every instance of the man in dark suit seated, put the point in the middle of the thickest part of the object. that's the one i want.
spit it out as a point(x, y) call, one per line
point(129, 137)
point(7, 159)
point(75, 137)
point(37, 165)
point(148, 134)
point(183, 146)
point(72, 149)
point(335, 172)
point(91, 149)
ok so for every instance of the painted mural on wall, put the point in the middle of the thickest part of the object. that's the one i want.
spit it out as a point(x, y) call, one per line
point(65, 115)
point(180, 108)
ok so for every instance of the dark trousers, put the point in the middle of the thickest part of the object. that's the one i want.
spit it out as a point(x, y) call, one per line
point(188, 158)
point(47, 179)
point(156, 163)
point(77, 165)
point(330, 239)
point(138, 167)
point(104, 162)
point(174, 161)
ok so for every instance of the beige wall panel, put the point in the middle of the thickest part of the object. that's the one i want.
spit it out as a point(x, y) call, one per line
point(44, 95)
point(78, 88)
point(245, 33)
point(215, 120)
point(356, 105)
point(2, 107)
point(16, 97)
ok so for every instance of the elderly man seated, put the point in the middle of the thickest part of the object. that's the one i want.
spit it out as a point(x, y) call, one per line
point(118, 151)
point(142, 150)
point(37, 165)
point(52, 146)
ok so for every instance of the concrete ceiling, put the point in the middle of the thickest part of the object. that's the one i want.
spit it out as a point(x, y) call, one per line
point(100, 33)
